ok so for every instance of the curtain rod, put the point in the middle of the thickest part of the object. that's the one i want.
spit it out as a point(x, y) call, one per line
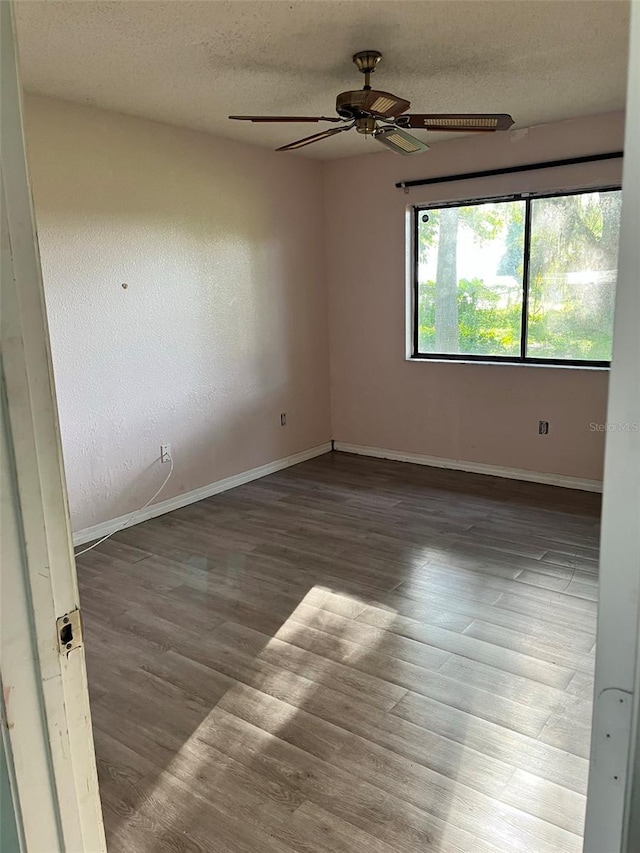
point(530, 167)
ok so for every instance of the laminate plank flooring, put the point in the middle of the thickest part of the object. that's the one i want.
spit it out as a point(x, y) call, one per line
point(349, 655)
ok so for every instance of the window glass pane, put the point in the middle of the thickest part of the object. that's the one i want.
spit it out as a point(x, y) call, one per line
point(470, 265)
point(572, 275)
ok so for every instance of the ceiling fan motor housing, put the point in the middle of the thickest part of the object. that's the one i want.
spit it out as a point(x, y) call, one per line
point(351, 104)
point(368, 102)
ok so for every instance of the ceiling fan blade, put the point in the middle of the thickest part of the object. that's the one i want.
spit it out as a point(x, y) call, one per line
point(285, 118)
point(482, 122)
point(400, 141)
point(300, 143)
point(383, 104)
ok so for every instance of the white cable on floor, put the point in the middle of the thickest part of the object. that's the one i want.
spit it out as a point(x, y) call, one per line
point(133, 514)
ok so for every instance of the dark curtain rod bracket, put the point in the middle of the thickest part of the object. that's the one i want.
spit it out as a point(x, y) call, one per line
point(510, 170)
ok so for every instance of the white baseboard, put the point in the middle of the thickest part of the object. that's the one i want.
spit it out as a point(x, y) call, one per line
point(97, 531)
point(106, 527)
point(473, 467)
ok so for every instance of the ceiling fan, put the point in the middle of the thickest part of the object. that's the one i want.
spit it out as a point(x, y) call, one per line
point(383, 116)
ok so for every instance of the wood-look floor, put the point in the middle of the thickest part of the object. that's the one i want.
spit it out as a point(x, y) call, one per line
point(349, 655)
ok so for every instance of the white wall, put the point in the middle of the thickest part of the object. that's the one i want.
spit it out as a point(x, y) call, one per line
point(223, 324)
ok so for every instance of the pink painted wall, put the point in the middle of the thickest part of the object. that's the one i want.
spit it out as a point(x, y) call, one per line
point(224, 321)
point(245, 281)
point(473, 412)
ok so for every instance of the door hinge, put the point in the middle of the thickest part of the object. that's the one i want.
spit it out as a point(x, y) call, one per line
point(612, 730)
point(69, 629)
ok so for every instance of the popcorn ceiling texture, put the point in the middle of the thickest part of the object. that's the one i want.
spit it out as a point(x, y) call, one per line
point(223, 324)
point(194, 63)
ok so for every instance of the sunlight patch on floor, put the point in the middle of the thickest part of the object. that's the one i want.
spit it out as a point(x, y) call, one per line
point(287, 686)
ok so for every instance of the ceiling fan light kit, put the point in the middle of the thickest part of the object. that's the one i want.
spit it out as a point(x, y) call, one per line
point(382, 116)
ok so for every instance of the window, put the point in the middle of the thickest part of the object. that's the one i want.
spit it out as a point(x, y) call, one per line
point(518, 280)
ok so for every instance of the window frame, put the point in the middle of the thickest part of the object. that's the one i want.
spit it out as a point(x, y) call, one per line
point(527, 197)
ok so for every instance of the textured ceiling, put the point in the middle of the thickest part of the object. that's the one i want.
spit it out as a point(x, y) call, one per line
point(193, 63)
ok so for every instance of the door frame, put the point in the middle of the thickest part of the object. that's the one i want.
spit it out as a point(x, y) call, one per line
point(47, 733)
point(614, 772)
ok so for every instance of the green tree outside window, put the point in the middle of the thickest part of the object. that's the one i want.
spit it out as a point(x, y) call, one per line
point(470, 277)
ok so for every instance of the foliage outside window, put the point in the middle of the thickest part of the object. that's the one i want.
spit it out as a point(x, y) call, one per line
point(529, 280)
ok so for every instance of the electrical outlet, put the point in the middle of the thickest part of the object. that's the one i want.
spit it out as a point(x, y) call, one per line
point(543, 427)
point(283, 419)
point(165, 453)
